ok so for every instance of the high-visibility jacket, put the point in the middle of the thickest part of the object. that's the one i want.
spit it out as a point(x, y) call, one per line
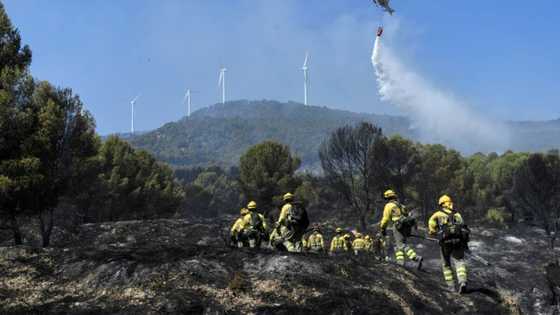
point(338, 244)
point(247, 221)
point(284, 214)
point(441, 218)
point(369, 244)
point(315, 241)
point(360, 244)
point(237, 227)
point(392, 212)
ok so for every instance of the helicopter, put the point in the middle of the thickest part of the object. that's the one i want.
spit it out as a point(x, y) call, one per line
point(384, 4)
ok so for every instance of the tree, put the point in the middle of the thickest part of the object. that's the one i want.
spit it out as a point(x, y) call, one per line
point(63, 138)
point(440, 173)
point(266, 171)
point(347, 158)
point(398, 161)
point(536, 189)
point(16, 86)
point(134, 185)
point(502, 172)
point(224, 191)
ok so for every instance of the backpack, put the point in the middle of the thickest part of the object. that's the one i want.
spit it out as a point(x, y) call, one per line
point(255, 224)
point(256, 220)
point(297, 217)
point(405, 223)
point(454, 232)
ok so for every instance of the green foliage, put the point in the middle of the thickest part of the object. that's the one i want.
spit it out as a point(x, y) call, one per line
point(220, 134)
point(267, 171)
point(353, 160)
point(134, 185)
point(210, 192)
point(497, 217)
point(49, 154)
point(536, 189)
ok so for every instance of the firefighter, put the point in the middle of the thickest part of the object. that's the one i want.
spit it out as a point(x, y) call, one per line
point(453, 235)
point(397, 219)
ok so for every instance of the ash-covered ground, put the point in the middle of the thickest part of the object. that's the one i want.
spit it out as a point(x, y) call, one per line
point(185, 267)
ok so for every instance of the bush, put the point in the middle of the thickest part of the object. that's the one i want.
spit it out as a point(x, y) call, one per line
point(497, 216)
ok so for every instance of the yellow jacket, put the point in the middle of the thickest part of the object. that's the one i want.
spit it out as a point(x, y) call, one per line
point(246, 221)
point(284, 214)
point(440, 218)
point(237, 226)
point(360, 244)
point(338, 244)
point(391, 213)
point(316, 241)
point(369, 244)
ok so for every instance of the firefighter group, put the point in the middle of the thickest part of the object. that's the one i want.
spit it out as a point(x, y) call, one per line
point(291, 233)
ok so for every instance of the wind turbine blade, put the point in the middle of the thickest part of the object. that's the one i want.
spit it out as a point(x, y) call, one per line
point(221, 78)
point(306, 59)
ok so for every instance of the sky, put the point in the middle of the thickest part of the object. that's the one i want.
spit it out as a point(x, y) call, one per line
point(499, 57)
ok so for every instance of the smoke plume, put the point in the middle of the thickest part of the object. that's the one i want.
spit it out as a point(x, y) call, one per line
point(437, 116)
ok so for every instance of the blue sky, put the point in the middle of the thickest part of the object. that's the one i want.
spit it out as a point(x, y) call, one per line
point(501, 57)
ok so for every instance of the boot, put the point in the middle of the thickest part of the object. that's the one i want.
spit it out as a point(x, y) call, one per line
point(419, 260)
point(451, 286)
point(462, 288)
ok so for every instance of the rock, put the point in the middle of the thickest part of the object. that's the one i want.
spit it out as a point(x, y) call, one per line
point(513, 239)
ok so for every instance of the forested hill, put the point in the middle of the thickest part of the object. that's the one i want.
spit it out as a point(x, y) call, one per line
point(535, 136)
point(220, 133)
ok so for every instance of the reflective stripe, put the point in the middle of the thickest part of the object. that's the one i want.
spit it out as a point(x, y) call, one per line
point(447, 274)
point(411, 254)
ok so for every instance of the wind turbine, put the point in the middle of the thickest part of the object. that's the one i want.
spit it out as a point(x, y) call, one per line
point(305, 69)
point(187, 99)
point(132, 112)
point(222, 83)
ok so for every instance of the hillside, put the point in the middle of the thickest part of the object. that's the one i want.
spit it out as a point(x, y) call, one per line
point(535, 135)
point(184, 267)
point(220, 133)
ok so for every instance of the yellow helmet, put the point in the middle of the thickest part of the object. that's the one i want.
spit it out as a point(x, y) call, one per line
point(288, 196)
point(389, 194)
point(338, 230)
point(244, 211)
point(367, 237)
point(359, 235)
point(252, 205)
point(444, 199)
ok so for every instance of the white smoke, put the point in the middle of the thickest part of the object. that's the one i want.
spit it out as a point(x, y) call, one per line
point(438, 116)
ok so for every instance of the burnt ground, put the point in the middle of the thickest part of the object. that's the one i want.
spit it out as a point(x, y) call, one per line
point(184, 267)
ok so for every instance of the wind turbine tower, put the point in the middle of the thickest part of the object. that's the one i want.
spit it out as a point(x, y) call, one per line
point(188, 100)
point(305, 69)
point(132, 113)
point(222, 83)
